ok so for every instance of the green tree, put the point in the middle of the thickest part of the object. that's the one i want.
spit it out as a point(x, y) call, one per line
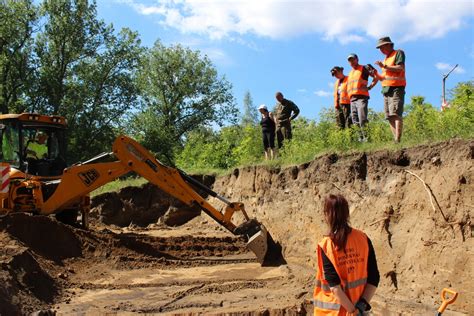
point(17, 22)
point(85, 72)
point(181, 91)
point(458, 119)
point(462, 95)
point(206, 149)
point(250, 116)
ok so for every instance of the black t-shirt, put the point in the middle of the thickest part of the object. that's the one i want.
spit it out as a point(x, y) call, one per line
point(268, 125)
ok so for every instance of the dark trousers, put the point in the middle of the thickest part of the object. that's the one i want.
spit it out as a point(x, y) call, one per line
point(343, 116)
point(283, 131)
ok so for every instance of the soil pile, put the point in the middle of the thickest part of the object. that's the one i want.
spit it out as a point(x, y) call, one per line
point(40, 257)
point(24, 285)
point(141, 206)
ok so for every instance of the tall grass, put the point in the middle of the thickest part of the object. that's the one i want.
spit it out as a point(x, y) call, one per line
point(239, 146)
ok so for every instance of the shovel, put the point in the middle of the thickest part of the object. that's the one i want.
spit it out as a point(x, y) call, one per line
point(446, 301)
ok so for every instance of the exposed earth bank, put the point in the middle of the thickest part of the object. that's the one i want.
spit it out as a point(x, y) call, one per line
point(148, 253)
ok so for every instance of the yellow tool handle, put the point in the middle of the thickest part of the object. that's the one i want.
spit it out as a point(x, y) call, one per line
point(447, 301)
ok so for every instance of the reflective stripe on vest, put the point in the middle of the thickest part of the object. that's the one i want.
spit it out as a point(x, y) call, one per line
point(323, 286)
point(356, 85)
point(349, 285)
point(326, 305)
point(355, 283)
point(393, 78)
point(343, 97)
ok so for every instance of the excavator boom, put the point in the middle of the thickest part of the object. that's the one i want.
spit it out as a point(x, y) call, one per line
point(128, 155)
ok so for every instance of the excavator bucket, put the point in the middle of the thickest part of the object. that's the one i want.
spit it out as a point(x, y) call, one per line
point(261, 243)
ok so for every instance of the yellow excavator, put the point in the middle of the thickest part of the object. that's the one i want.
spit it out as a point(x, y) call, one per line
point(37, 180)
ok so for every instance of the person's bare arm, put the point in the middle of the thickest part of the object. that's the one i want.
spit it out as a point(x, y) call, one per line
point(396, 68)
point(374, 81)
point(272, 117)
point(369, 292)
point(343, 299)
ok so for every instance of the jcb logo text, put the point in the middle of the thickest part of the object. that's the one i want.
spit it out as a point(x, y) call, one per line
point(89, 176)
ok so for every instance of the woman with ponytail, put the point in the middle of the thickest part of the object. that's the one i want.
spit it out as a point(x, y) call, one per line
point(347, 275)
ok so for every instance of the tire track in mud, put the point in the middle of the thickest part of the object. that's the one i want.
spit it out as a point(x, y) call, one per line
point(195, 288)
point(93, 286)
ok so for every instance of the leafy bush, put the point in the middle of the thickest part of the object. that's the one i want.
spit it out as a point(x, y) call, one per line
point(242, 145)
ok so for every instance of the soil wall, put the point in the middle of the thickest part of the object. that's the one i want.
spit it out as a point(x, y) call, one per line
point(423, 241)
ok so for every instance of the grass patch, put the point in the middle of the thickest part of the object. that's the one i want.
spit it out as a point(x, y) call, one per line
point(118, 184)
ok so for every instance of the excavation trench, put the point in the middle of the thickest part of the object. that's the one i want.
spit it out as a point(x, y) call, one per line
point(147, 253)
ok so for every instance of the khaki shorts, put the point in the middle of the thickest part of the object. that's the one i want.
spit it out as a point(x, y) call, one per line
point(393, 101)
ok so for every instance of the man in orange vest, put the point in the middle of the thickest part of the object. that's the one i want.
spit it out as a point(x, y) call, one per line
point(393, 84)
point(358, 90)
point(342, 103)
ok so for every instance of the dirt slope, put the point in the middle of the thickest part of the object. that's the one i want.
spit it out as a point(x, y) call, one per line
point(139, 257)
point(420, 250)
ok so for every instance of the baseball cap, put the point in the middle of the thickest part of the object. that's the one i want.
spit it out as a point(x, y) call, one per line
point(336, 69)
point(263, 107)
point(352, 56)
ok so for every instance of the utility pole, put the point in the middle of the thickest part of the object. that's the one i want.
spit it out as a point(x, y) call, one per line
point(444, 83)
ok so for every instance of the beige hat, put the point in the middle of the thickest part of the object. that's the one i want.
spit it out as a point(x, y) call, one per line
point(384, 40)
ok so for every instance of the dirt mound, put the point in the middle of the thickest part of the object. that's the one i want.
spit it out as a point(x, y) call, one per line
point(141, 206)
point(24, 285)
point(43, 235)
point(39, 257)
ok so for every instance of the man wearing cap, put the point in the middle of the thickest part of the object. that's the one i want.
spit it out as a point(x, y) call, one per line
point(358, 90)
point(285, 112)
point(342, 103)
point(393, 84)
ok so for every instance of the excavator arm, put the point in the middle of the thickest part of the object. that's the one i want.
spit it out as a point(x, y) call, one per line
point(79, 180)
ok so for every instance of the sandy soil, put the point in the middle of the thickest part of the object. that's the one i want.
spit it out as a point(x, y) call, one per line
point(130, 262)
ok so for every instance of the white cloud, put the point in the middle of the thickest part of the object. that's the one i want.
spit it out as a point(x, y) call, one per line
point(342, 20)
point(447, 67)
point(322, 93)
point(301, 90)
point(218, 56)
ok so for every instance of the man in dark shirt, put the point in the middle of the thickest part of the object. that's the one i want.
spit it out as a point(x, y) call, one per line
point(285, 112)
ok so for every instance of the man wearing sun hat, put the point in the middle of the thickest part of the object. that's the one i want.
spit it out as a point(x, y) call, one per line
point(393, 84)
point(342, 103)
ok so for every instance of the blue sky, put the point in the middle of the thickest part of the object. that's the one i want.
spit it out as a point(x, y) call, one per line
point(264, 46)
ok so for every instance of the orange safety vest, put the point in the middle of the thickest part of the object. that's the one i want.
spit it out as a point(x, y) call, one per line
point(393, 78)
point(355, 84)
point(351, 266)
point(343, 98)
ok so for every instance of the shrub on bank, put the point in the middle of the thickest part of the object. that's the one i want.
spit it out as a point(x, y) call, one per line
point(236, 146)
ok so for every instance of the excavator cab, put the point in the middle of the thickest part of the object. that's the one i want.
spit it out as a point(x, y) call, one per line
point(33, 144)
